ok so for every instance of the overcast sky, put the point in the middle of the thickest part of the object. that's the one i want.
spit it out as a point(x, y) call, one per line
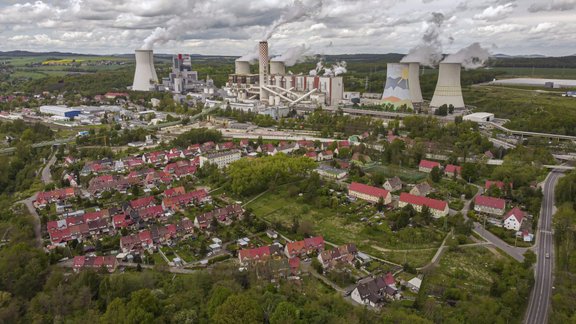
point(231, 27)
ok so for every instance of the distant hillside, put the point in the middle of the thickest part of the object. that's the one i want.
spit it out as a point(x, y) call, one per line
point(34, 54)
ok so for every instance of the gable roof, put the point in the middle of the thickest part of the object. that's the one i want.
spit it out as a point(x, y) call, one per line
point(368, 190)
point(428, 164)
point(516, 213)
point(450, 168)
point(492, 202)
point(423, 201)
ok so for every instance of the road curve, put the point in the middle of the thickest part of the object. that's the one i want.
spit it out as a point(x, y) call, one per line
point(539, 303)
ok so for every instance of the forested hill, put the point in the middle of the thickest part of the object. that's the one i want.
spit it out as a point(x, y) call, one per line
point(537, 62)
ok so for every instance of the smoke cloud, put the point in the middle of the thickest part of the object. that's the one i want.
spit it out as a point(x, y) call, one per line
point(471, 57)
point(159, 36)
point(429, 51)
point(296, 12)
point(318, 69)
point(251, 57)
point(293, 55)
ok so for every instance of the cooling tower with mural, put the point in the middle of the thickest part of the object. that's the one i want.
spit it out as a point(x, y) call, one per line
point(397, 88)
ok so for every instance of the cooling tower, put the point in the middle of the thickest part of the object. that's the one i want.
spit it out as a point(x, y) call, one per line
point(448, 90)
point(242, 67)
point(397, 88)
point(145, 75)
point(263, 69)
point(277, 68)
point(414, 82)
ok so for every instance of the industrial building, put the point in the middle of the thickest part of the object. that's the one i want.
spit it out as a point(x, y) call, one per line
point(145, 77)
point(273, 86)
point(60, 111)
point(479, 117)
point(183, 79)
point(448, 89)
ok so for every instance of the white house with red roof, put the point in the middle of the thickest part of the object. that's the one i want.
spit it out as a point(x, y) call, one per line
point(427, 166)
point(301, 248)
point(513, 219)
point(452, 170)
point(369, 193)
point(489, 205)
point(438, 208)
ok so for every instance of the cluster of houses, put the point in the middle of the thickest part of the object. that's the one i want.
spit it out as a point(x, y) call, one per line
point(495, 208)
point(375, 291)
point(341, 255)
point(142, 215)
point(107, 262)
point(58, 195)
point(449, 170)
point(438, 208)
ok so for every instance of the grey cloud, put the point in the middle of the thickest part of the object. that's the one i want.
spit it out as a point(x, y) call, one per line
point(560, 5)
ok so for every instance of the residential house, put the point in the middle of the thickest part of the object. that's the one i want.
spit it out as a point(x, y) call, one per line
point(225, 215)
point(421, 189)
point(369, 193)
point(174, 192)
point(258, 254)
point(489, 205)
point(312, 155)
point(375, 291)
point(498, 184)
point(438, 208)
point(344, 254)
point(302, 248)
point(47, 197)
point(221, 159)
point(107, 262)
point(143, 202)
point(427, 166)
point(181, 201)
point(513, 219)
point(453, 170)
point(393, 184)
point(331, 173)
point(325, 155)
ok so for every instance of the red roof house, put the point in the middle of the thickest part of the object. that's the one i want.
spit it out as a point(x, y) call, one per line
point(369, 193)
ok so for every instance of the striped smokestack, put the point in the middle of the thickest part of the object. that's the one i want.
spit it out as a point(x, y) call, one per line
point(263, 69)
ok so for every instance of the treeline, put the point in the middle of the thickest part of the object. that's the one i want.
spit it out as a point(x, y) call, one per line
point(242, 116)
point(564, 293)
point(18, 171)
point(113, 136)
point(252, 176)
point(537, 62)
point(197, 136)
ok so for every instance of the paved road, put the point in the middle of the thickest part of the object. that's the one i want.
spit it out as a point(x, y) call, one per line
point(28, 202)
point(539, 303)
point(46, 174)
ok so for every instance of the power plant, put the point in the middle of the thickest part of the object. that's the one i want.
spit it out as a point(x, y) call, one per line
point(448, 89)
point(145, 78)
point(274, 87)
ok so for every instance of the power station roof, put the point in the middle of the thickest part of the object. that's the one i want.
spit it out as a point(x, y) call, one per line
point(478, 115)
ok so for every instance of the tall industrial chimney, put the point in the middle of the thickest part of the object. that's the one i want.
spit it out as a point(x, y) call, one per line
point(263, 69)
point(448, 89)
point(242, 67)
point(277, 68)
point(145, 75)
point(414, 83)
point(397, 88)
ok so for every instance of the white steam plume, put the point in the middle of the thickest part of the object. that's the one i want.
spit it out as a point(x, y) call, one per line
point(429, 51)
point(336, 70)
point(471, 57)
point(296, 12)
point(159, 36)
point(318, 69)
point(292, 55)
point(251, 57)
